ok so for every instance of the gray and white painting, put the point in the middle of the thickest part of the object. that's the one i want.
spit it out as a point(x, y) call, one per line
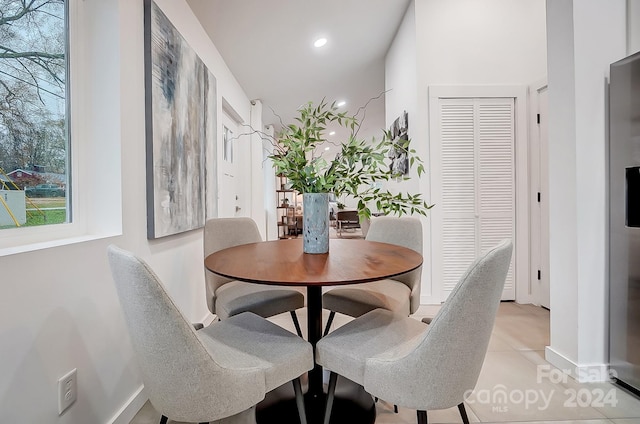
point(181, 110)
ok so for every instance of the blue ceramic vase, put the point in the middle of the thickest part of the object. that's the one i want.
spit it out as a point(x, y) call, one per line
point(315, 230)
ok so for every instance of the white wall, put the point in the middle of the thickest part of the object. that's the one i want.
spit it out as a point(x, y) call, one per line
point(458, 43)
point(633, 26)
point(480, 42)
point(401, 81)
point(401, 71)
point(561, 166)
point(59, 307)
point(585, 37)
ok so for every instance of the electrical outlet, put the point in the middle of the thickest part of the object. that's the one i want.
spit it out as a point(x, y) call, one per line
point(67, 390)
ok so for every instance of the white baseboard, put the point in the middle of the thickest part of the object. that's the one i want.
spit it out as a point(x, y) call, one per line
point(130, 408)
point(208, 319)
point(586, 373)
point(430, 300)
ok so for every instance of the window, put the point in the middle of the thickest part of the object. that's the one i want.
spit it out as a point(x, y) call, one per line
point(227, 142)
point(34, 135)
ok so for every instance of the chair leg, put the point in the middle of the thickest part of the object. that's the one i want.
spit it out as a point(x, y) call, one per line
point(333, 378)
point(329, 322)
point(422, 417)
point(294, 317)
point(297, 388)
point(463, 413)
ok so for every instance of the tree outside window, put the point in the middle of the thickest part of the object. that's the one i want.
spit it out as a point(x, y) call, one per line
point(33, 106)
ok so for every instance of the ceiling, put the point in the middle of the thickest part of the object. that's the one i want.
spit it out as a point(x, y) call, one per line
point(268, 46)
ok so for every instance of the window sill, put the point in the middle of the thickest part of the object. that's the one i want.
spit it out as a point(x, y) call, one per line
point(31, 247)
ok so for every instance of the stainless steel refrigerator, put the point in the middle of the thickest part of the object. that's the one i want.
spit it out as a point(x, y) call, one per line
point(624, 221)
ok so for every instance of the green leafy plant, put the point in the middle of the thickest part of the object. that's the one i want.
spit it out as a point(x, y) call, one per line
point(355, 171)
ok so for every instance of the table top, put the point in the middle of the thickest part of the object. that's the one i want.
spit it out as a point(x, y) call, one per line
point(283, 262)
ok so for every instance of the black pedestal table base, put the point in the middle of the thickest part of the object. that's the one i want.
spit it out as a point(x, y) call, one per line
point(351, 403)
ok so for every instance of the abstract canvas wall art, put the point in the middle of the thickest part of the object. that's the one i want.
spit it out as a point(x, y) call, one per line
point(180, 128)
point(400, 138)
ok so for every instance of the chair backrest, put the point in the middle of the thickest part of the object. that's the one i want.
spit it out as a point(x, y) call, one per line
point(181, 378)
point(403, 231)
point(350, 216)
point(221, 233)
point(447, 361)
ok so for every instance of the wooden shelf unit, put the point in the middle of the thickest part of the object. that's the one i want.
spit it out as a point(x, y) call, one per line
point(289, 223)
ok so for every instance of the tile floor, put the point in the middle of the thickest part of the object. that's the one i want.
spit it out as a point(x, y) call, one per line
point(514, 365)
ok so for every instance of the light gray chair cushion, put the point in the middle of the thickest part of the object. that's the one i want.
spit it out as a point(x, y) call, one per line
point(358, 299)
point(235, 297)
point(346, 349)
point(219, 371)
point(247, 340)
point(410, 364)
point(266, 301)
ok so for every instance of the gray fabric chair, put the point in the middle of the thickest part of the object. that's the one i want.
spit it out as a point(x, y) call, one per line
point(400, 295)
point(226, 297)
point(417, 366)
point(217, 373)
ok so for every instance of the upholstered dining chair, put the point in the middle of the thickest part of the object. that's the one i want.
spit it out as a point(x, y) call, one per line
point(413, 365)
point(400, 294)
point(226, 297)
point(218, 373)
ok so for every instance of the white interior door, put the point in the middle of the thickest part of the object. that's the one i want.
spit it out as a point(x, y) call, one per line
point(476, 155)
point(229, 169)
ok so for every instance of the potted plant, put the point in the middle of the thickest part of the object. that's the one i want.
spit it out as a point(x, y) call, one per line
point(355, 171)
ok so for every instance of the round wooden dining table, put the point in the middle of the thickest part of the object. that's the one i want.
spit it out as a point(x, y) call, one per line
point(282, 262)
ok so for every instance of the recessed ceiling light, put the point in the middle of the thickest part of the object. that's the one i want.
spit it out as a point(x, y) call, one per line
point(320, 42)
point(341, 103)
point(332, 133)
point(327, 148)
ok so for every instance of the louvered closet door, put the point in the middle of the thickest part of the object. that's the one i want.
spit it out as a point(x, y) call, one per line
point(478, 187)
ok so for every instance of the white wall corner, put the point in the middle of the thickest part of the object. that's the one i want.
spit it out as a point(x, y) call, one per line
point(269, 177)
point(258, 211)
point(584, 38)
point(208, 319)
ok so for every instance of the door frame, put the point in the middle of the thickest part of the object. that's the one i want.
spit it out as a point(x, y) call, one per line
point(539, 213)
point(239, 166)
point(521, 164)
